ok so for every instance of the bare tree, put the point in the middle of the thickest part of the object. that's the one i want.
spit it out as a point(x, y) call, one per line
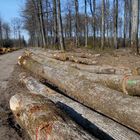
point(116, 24)
point(125, 20)
point(76, 22)
point(103, 24)
point(40, 12)
point(55, 22)
point(92, 4)
point(61, 37)
point(86, 25)
point(135, 25)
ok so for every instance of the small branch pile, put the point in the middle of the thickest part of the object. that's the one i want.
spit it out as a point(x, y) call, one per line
point(104, 89)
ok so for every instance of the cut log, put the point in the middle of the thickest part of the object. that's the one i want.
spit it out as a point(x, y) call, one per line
point(124, 83)
point(69, 57)
point(44, 121)
point(122, 108)
point(76, 54)
point(104, 69)
point(136, 71)
point(100, 126)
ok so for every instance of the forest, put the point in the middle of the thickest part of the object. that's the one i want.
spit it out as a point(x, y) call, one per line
point(90, 23)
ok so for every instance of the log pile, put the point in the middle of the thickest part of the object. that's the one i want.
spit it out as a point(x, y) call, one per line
point(104, 124)
point(101, 94)
point(6, 50)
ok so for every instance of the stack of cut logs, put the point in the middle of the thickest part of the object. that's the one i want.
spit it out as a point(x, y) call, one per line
point(78, 99)
point(6, 50)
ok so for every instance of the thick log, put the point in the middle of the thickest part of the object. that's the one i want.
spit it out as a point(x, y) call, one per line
point(75, 57)
point(104, 69)
point(122, 108)
point(124, 83)
point(68, 53)
point(100, 126)
point(44, 121)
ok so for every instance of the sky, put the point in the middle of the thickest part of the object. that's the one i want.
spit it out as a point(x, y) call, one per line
point(10, 9)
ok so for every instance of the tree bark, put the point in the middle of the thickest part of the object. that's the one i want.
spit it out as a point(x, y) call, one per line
point(43, 120)
point(100, 126)
point(116, 24)
point(76, 22)
point(130, 20)
point(61, 37)
point(103, 24)
point(125, 24)
point(40, 10)
point(86, 25)
point(55, 22)
point(78, 86)
point(124, 83)
point(135, 25)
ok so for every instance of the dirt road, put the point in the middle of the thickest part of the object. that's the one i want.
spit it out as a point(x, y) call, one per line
point(9, 129)
point(7, 63)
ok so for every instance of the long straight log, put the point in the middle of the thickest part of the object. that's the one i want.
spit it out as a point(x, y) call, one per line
point(125, 83)
point(44, 121)
point(68, 53)
point(122, 108)
point(99, 125)
point(63, 56)
point(103, 69)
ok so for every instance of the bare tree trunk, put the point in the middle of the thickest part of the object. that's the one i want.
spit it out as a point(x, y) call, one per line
point(77, 22)
point(124, 32)
point(130, 20)
point(55, 22)
point(70, 23)
point(135, 25)
point(86, 25)
point(103, 24)
point(61, 36)
point(47, 20)
point(116, 24)
point(42, 22)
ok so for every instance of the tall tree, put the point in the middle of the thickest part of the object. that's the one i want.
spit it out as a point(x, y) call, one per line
point(61, 37)
point(103, 24)
point(40, 12)
point(92, 4)
point(116, 24)
point(130, 18)
point(86, 25)
point(125, 24)
point(55, 22)
point(135, 25)
point(76, 22)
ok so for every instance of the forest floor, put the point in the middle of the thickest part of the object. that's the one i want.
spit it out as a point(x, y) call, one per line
point(9, 84)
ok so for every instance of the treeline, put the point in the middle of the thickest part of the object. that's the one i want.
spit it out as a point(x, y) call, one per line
point(89, 23)
point(10, 34)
